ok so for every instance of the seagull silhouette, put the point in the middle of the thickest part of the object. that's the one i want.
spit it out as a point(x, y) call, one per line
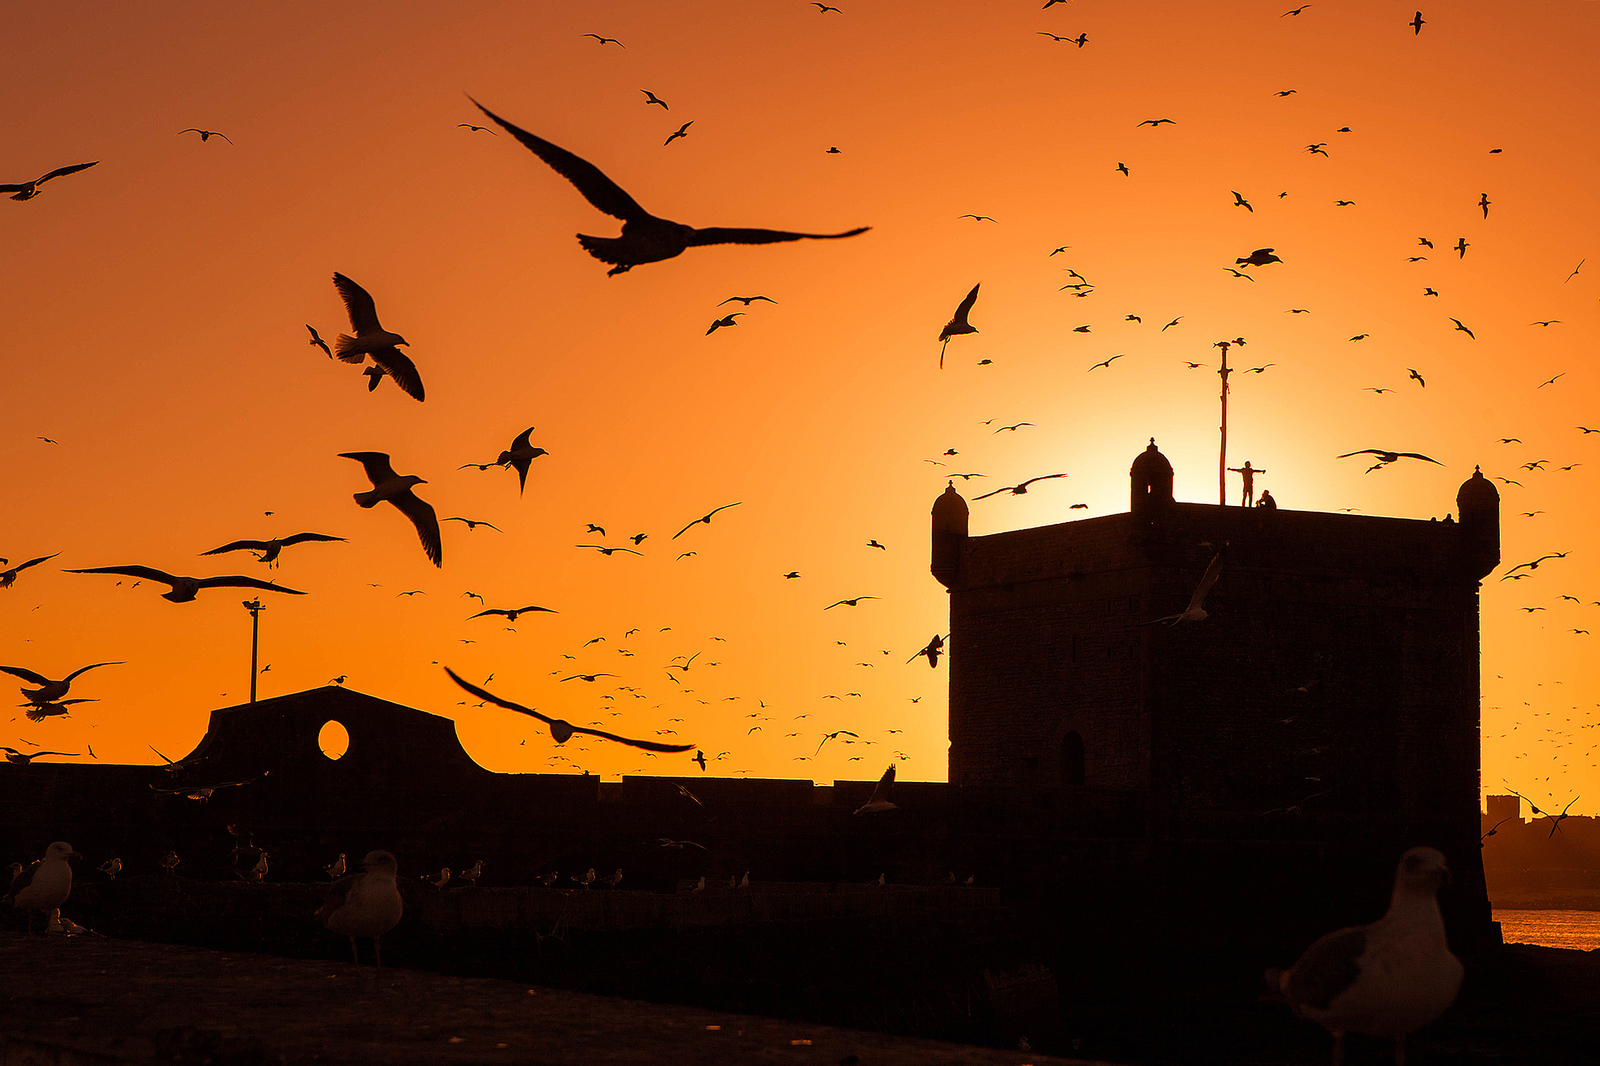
point(1155, 122)
point(372, 339)
point(510, 615)
point(563, 731)
point(387, 485)
point(270, 549)
point(48, 691)
point(476, 129)
point(850, 603)
point(1388, 457)
point(206, 135)
point(880, 795)
point(725, 320)
point(645, 238)
point(1018, 490)
point(519, 456)
point(1464, 329)
point(1107, 363)
point(602, 40)
point(652, 98)
point(1240, 201)
point(681, 131)
point(958, 323)
point(184, 589)
point(29, 189)
point(706, 518)
point(747, 300)
point(1417, 22)
point(978, 218)
point(318, 342)
point(9, 577)
point(1195, 612)
point(1461, 247)
point(1259, 257)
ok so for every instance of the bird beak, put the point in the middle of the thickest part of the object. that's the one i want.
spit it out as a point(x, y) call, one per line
point(74, 855)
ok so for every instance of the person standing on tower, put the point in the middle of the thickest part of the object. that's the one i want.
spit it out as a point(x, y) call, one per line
point(1249, 473)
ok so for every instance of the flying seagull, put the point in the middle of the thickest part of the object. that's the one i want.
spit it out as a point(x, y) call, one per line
point(185, 589)
point(270, 549)
point(682, 131)
point(1387, 457)
point(469, 127)
point(23, 759)
point(206, 135)
point(1259, 257)
point(880, 795)
point(1389, 978)
point(652, 98)
point(520, 456)
point(645, 238)
point(596, 36)
point(372, 339)
point(932, 650)
point(747, 300)
point(725, 320)
point(9, 577)
point(563, 731)
point(387, 485)
point(48, 691)
point(958, 323)
point(473, 523)
point(1195, 612)
point(1463, 329)
point(706, 518)
point(850, 603)
point(29, 189)
point(1017, 490)
point(38, 712)
point(511, 615)
point(316, 341)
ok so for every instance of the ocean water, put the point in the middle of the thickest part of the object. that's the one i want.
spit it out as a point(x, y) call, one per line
point(1551, 929)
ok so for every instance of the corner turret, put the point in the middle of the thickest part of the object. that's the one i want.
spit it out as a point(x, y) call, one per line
point(949, 535)
point(1478, 512)
point(1151, 475)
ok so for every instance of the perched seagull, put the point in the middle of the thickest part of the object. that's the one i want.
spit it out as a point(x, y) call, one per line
point(9, 577)
point(270, 549)
point(510, 615)
point(1018, 490)
point(367, 904)
point(335, 869)
point(48, 691)
point(111, 868)
point(561, 730)
point(185, 589)
point(958, 323)
point(703, 518)
point(316, 341)
point(45, 885)
point(29, 189)
point(645, 238)
point(387, 485)
point(372, 339)
point(1195, 612)
point(880, 795)
point(1389, 978)
point(472, 873)
point(206, 135)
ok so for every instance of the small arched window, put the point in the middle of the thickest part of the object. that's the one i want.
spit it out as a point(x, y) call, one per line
point(1072, 760)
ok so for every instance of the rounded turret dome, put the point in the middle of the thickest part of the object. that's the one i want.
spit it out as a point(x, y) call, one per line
point(1151, 477)
point(1477, 493)
point(1150, 464)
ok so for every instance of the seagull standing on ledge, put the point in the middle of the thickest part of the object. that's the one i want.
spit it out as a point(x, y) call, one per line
point(1389, 978)
point(365, 904)
point(45, 885)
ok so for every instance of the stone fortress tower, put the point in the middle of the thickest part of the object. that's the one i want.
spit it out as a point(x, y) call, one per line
point(1331, 693)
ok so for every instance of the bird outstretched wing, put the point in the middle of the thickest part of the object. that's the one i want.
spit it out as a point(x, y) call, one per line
point(484, 694)
point(149, 573)
point(29, 675)
point(62, 171)
point(376, 465)
point(237, 581)
point(726, 235)
point(399, 366)
point(422, 516)
point(587, 178)
point(358, 304)
point(1213, 571)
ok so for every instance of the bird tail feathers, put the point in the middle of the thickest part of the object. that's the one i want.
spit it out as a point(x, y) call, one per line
point(341, 350)
point(36, 714)
point(367, 499)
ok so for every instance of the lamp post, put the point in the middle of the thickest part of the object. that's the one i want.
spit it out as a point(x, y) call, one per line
point(1222, 459)
point(255, 607)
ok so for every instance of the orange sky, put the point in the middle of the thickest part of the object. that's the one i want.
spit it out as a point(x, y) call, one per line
point(155, 308)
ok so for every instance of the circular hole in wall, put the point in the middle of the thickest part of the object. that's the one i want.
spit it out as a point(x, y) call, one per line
point(334, 740)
